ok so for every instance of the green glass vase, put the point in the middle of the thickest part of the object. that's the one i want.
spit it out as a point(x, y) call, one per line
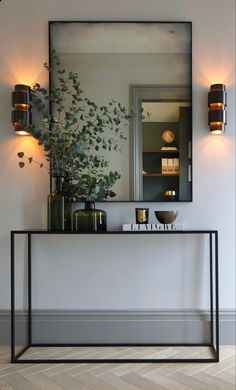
point(59, 208)
point(90, 219)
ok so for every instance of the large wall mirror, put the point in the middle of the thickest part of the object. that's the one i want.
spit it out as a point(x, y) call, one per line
point(146, 66)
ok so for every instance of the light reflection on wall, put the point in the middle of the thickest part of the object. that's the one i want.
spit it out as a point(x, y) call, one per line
point(215, 150)
point(26, 70)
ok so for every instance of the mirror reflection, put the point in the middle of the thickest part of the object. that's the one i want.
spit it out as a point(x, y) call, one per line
point(143, 66)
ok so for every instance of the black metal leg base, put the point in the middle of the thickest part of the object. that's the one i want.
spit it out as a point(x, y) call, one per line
point(25, 356)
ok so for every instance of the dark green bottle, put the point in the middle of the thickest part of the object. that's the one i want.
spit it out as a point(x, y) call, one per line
point(90, 219)
point(59, 208)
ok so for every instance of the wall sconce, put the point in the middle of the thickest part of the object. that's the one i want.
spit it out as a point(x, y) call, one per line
point(21, 115)
point(217, 116)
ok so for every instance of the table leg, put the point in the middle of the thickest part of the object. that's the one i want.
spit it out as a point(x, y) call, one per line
point(12, 296)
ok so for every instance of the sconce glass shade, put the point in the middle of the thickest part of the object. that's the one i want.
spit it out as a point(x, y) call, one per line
point(217, 115)
point(21, 115)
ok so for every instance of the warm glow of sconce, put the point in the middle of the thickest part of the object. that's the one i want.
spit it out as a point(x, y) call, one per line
point(21, 132)
point(217, 106)
point(217, 116)
point(21, 115)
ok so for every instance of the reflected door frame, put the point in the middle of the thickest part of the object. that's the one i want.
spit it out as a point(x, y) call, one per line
point(139, 94)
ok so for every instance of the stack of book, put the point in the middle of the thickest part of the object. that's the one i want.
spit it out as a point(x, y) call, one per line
point(170, 166)
point(151, 226)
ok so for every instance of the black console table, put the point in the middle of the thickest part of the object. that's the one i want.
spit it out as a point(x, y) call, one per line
point(18, 356)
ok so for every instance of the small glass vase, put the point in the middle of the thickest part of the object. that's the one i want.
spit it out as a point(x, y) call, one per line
point(59, 208)
point(90, 219)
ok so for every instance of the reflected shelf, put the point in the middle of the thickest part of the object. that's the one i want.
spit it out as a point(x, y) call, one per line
point(162, 151)
point(160, 174)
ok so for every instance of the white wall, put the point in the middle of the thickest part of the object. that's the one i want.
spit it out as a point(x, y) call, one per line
point(24, 47)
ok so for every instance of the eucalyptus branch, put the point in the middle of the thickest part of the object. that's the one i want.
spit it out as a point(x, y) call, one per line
point(76, 134)
point(22, 156)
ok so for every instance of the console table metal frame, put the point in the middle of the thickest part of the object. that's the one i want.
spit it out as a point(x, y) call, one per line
point(214, 305)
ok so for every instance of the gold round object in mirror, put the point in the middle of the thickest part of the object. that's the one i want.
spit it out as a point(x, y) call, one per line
point(168, 136)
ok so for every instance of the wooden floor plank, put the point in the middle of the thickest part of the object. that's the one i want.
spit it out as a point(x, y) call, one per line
point(213, 381)
point(43, 382)
point(117, 382)
point(18, 382)
point(221, 366)
point(141, 382)
point(167, 382)
point(231, 369)
point(193, 368)
point(127, 368)
point(68, 382)
point(193, 383)
point(26, 369)
point(5, 386)
point(228, 378)
point(94, 383)
point(48, 369)
point(102, 369)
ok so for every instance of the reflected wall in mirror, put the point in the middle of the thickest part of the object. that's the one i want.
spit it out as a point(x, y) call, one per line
point(141, 65)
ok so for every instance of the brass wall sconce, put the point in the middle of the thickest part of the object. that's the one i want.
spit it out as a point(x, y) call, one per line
point(217, 116)
point(21, 115)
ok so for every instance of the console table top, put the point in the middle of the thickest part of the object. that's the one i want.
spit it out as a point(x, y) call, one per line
point(124, 232)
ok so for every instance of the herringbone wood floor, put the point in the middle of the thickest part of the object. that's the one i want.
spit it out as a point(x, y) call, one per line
point(175, 376)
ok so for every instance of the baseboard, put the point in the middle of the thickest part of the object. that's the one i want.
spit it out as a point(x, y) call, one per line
point(107, 326)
